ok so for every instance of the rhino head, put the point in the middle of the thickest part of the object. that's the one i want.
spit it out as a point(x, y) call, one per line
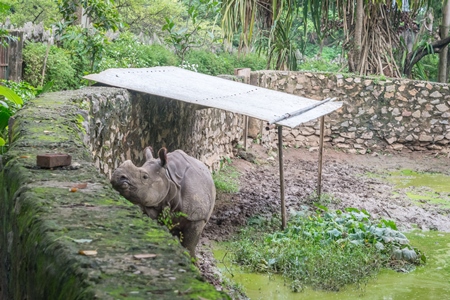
point(146, 186)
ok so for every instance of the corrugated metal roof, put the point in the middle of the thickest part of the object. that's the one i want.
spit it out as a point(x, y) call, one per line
point(210, 91)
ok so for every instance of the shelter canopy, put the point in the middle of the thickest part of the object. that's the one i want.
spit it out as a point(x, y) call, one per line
point(210, 91)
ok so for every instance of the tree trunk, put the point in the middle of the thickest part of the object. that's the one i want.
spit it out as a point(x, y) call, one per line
point(82, 18)
point(414, 57)
point(442, 76)
point(354, 55)
point(357, 46)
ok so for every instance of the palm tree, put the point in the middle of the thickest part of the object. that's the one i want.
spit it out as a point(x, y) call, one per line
point(370, 27)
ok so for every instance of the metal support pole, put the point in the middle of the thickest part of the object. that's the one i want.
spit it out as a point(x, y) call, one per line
point(261, 130)
point(280, 162)
point(322, 130)
point(245, 132)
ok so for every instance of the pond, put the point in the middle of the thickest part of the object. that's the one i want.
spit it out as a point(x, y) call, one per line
point(431, 281)
point(421, 188)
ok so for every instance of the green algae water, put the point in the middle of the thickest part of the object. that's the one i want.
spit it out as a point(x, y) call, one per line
point(408, 178)
point(421, 188)
point(431, 281)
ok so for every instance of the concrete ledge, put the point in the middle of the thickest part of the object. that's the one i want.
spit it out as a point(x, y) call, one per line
point(48, 216)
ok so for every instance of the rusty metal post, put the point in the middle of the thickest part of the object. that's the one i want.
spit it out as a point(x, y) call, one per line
point(280, 162)
point(322, 130)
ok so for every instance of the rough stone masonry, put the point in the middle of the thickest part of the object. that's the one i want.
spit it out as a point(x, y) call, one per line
point(378, 114)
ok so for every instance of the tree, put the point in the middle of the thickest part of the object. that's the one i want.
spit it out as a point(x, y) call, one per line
point(148, 17)
point(370, 27)
point(275, 20)
point(197, 30)
point(443, 30)
point(5, 36)
point(91, 40)
point(35, 11)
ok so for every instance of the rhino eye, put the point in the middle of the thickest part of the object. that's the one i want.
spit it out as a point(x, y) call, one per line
point(145, 176)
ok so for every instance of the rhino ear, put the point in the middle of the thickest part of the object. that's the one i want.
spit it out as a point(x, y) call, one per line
point(162, 153)
point(148, 153)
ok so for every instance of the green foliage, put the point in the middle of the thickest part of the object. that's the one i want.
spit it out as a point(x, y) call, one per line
point(210, 63)
point(128, 52)
point(8, 106)
point(35, 11)
point(87, 41)
point(5, 37)
point(195, 32)
point(321, 60)
point(60, 67)
point(223, 63)
point(327, 53)
point(14, 95)
point(226, 180)
point(170, 218)
point(326, 250)
point(25, 90)
point(102, 13)
point(426, 69)
point(280, 42)
point(320, 65)
point(148, 17)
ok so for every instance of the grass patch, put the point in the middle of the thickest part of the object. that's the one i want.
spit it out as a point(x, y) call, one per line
point(325, 250)
point(226, 180)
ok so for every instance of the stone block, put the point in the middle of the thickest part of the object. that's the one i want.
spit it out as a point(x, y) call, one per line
point(397, 147)
point(442, 107)
point(425, 138)
point(53, 160)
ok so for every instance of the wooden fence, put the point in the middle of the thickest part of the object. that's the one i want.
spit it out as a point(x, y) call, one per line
point(11, 58)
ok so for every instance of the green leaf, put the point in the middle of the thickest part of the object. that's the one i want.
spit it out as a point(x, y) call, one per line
point(5, 114)
point(334, 233)
point(9, 94)
point(2, 142)
point(45, 88)
point(389, 223)
point(409, 254)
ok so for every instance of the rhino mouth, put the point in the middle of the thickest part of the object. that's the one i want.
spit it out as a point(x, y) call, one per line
point(123, 185)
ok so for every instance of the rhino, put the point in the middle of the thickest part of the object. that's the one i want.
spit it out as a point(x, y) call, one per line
point(174, 180)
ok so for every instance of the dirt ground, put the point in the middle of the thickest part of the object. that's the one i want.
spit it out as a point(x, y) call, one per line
point(345, 177)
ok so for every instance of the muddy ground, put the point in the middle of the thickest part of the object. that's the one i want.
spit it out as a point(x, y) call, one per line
point(345, 177)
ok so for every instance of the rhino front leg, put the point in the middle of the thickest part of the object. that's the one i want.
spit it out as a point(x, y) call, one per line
point(151, 212)
point(191, 235)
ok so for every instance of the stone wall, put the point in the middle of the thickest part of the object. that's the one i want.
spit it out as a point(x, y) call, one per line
point(50, 217)
point(378, 114)
point(121, 124)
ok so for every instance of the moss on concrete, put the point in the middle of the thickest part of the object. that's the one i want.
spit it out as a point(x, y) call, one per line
point(44, 225)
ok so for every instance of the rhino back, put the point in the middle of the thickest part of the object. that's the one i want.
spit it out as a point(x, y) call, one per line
point(197, 188)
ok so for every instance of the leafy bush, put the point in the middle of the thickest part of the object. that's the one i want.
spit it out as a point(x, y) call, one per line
point(251, 60)
point(128, 52)
point(59, 68)
point(327, 250)
point(319, 65)
point(223, 63)
point(10, 102)
point(158, 55)
point(23, 89)
point(12, 97)
point(210, 63)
